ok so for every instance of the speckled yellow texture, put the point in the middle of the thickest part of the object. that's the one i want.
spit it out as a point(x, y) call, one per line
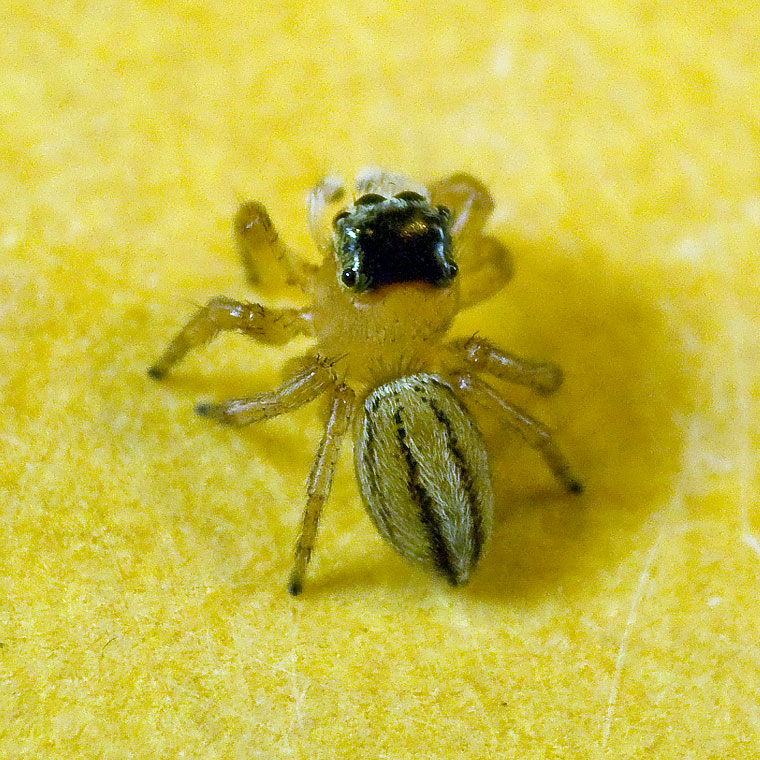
point(144, 551)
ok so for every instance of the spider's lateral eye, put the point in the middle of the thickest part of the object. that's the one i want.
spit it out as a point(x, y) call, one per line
point(444, 213)
point(349, 277)
point(369, 199)
point(409, 195)
point(339, 218)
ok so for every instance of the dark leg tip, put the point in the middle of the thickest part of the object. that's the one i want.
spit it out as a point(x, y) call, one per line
point(203, 409)
point(295, 587)
point(575, 486)
point(155, 373)
point(550, 381)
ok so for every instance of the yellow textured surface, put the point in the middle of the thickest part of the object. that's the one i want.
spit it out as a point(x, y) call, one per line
point(144, 551)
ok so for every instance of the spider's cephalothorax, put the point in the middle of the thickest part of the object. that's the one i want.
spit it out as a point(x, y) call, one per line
point(382, 362)
point(380, 241)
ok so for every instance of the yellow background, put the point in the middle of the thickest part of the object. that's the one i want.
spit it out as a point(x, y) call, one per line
point(144, 551)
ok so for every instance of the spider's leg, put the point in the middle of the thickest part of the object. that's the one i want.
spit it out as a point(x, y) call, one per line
point(272, 326)
point(320, 480)
point(267, 260)
point(479, 354)
point(485, 264)
point(533, 432)
point(327, 191)
point(313, 377)
point(487, 269)
point(467, 199)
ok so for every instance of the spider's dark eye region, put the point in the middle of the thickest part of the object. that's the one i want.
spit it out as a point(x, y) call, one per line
point(394, 240)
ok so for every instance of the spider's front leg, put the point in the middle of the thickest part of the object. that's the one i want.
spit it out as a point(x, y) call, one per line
point(272, 326)
point(484, 262)
point(265, 257)
point(533, 432)
point(477, 353)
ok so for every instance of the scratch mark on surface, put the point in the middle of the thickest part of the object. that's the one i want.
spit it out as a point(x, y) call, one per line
point(479, 698)
point(743, 403)
point(299, 685)
point(746, 460)
point(751, 541)
point(629, 623)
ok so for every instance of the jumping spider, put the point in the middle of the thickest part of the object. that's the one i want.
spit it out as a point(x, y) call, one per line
point(399, 262)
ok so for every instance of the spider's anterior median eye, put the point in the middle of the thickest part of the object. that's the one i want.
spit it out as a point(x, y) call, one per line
point(349, 277)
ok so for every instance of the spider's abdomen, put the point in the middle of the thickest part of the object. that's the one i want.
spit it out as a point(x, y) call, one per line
point(423, 473)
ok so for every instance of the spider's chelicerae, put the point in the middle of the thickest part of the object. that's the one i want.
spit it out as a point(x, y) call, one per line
point(399, 262)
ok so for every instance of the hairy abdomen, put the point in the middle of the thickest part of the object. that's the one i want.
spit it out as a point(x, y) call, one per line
point(423, 473)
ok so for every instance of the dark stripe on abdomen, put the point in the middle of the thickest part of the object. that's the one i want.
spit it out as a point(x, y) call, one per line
point(438, 548)
point(465, 477)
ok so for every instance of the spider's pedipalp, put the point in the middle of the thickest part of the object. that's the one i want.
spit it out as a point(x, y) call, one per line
point(488, 268)
point(467, 199)
point(485, 262)
point(327, 191)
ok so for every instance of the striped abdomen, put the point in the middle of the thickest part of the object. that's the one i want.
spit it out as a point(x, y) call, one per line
point(423, 472)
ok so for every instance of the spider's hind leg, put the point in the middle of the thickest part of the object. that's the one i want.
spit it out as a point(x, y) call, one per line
point(533, 432)
point(314, 377)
